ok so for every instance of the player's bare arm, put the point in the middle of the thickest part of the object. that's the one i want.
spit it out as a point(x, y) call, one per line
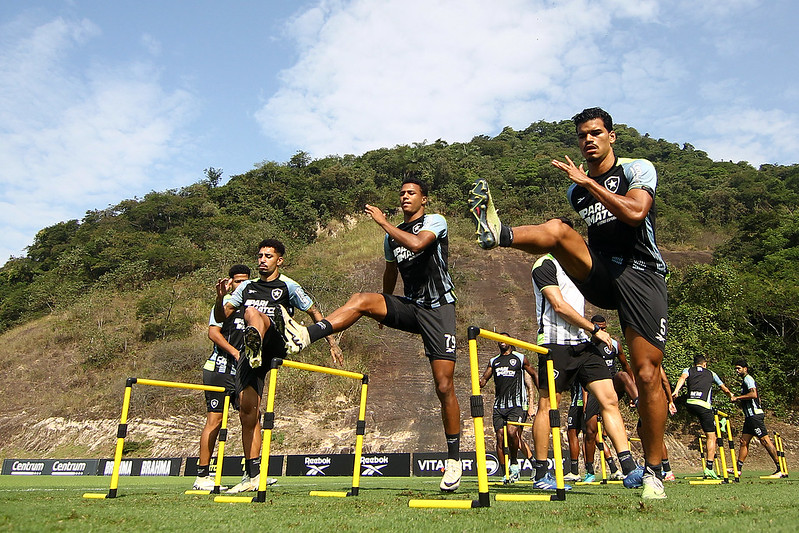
point(221, 310)
point(215, 335)
point(414, 243)
point(570, 315)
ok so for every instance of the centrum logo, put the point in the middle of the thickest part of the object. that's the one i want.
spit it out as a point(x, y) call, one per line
point(68, 468)
point(27, 468)
point(316, 465)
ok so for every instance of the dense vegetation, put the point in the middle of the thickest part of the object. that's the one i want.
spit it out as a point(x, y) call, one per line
point(743, 304)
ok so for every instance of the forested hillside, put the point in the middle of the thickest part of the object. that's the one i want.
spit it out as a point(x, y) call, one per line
point(145, 251)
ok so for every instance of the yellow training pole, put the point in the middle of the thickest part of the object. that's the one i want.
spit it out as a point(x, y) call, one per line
point(723, 454)
point(122, 429)
point(600, 444)
point(359, 432)
point(505, 451)
point(220, 456)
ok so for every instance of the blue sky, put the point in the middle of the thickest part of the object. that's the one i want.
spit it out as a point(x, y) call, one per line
point(106, 100)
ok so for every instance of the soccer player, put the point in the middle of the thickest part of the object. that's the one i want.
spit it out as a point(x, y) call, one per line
point(510, 398)
point(699, 382)
point(417, 250)
point(561, 329)
point(754, 419)
point(220, 371)
point(262, 300)
point(619, 268)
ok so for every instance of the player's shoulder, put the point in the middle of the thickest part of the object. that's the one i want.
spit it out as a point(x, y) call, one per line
point(545, 259)
point(638, 169)
point(288, 282)
point(749, 381)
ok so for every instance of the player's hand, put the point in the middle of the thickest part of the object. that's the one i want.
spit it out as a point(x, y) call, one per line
point(222, 286)
point(335, 352)
point(376, 213)
point(672, 408)
point(575, 173)
point(604, 336)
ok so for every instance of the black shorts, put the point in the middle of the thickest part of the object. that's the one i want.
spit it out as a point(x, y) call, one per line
point(215, 401)
point(575, 419)
point(273, 345)
point(706, 418)
point(508, 414)
point(581, 361)
point(639, 296)
point(436, 325)
point(755, 425)
point(591, 407)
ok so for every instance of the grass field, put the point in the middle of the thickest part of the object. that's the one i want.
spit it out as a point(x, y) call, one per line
point(158, 504)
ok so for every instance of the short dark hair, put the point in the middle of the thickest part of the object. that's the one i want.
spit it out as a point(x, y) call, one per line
point(740, 362)
point(590, 114)
point(239, 269)
point(598, 318)
point(273, 243)
point(699, 359)
point(422, 185)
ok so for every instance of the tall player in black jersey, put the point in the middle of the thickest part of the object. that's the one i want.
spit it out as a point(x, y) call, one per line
point(263, 300)
point(510, 398)
point(417, 250)
point(619, 268)
point(220, 371)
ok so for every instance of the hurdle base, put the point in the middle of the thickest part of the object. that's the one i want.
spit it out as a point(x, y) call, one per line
point(523, 497)
point(444, 504)
point(235, 499)
point(329, 493)
point(707, 482)
point(193, 491)
point(610, 482)
point(95, 496)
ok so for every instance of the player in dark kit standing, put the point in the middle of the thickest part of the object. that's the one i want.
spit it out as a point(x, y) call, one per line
point(699, 382)
point(754, 419)
point(619, 268)
point(510, 398)
point(263, 300)
point(220, 371)
point(417, 250)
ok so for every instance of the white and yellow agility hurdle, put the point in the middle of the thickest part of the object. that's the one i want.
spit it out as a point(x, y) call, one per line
point(779, 445)
point(477, 412)
point(122, 431)
point(506, 448)
point(600, 446)
point(269, 424)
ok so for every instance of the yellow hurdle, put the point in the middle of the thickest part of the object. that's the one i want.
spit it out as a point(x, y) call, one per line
point(122, 429)
point(269, 424)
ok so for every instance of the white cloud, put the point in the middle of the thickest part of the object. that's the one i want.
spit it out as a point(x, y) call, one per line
point(70, 140)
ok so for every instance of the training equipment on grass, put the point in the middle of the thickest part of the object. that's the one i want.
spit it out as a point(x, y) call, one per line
point(600, 445)
point(122, 429)
point(269, 424)
point(779, 445)
point(721, 419)
point(476, 404)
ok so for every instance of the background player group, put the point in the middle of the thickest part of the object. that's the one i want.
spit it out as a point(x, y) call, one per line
point(620, 267)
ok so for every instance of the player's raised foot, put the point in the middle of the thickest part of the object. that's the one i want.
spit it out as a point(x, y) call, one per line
point(710, 474)
point(634, 479)
point(486, 220)
point(549, 483)
point(572, 477)
point(589, 478)
point(295, 334)
point(653, 486)
point(452, 476)
point(669, 476)
point(515, 473)
point(252, 346)
point(205, 483)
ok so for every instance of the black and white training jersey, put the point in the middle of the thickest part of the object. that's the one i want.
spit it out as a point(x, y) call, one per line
point(552, 328)
point(608, 236)
point(700, 382)
point(509, 380)
point(751, 406)
point(232, 330)
point(425, 274)
point(266, 296)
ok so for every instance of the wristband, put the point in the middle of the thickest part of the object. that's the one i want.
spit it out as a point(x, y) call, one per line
point(596, 330)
